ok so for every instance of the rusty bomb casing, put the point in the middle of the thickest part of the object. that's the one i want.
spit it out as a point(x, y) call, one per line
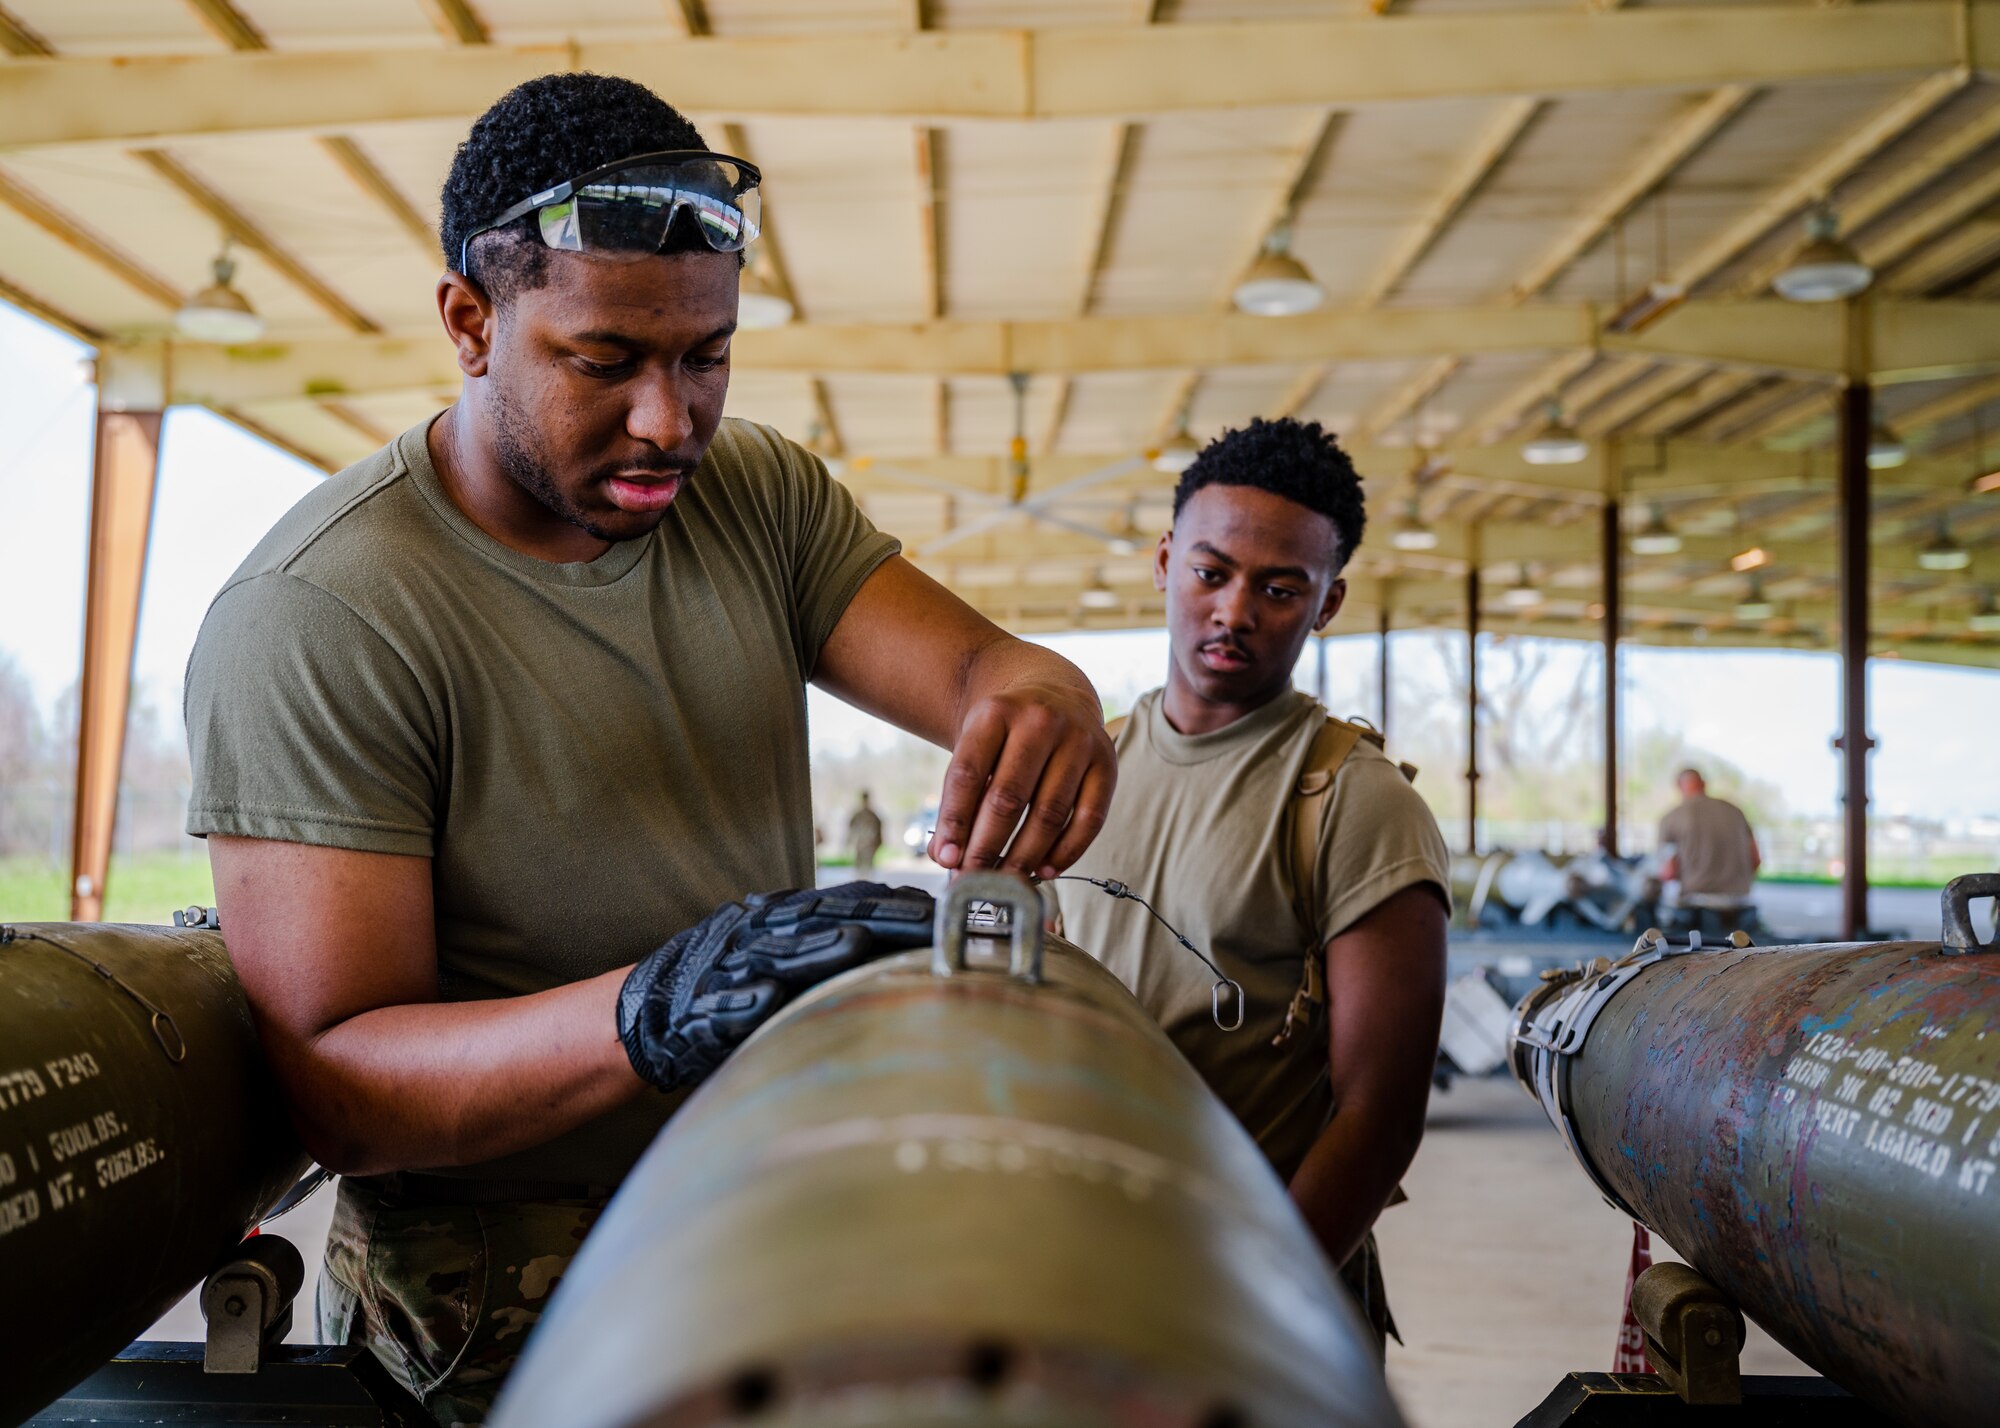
point(931, 1193)
point(1816, 1130)
point(141, 1137)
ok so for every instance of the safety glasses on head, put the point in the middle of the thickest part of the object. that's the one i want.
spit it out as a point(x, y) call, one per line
point(630, 206)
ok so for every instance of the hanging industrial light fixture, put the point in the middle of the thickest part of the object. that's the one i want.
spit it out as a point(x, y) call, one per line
point(1522, 594)
point(219, 313)
point(1097, 595)
point(1657, 538)
point(1944, 553)
point(1558, 445)
point(759, 304)
point(1754, 605)
point(1827, 269)
point(1131, 536)
point(1278, 285)
point(1411, 532)
point(1986, 619)
point(1178, 452)
point(1885, 448)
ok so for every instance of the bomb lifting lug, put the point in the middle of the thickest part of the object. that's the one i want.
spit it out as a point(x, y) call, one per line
point(1959, 935)
point(1003, 893)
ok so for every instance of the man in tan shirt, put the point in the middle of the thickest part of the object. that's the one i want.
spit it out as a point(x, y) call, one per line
point(1712, 853)
point(1209, 768)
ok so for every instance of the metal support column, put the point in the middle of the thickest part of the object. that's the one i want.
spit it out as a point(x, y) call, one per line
point(1854, 742)
point(1472, 703)
point(1382, 667)
point(1319, 669)
point(1613, 550)
point(125, 464)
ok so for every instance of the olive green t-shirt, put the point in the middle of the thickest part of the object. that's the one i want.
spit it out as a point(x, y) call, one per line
point(593, 755)
point(1198, 830)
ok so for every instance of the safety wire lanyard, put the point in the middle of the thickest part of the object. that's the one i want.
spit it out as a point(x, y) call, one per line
point(1216, 994)
point(160, 1020)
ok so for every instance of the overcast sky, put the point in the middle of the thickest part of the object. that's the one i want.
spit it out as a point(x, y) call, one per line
point(1773, 713)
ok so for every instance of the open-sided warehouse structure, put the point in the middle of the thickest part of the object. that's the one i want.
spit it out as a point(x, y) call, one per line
point(1008, 235)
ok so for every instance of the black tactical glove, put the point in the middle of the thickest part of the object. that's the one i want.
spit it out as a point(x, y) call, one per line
point(686, 1006)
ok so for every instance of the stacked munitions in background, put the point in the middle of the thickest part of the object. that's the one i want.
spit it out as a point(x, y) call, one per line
point(1816, 1130)
point(141, 1137)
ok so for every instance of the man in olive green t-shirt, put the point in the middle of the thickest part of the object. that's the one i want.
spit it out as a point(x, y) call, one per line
point(492, 715)
point(1209, 767)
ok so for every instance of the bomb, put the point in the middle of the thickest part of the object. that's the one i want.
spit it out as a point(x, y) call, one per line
point(947, 1188)
point(1816, 1130)
point(141, 1137)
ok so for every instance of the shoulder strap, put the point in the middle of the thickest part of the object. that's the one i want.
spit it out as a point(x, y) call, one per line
point(1332, 743)
point(1113, 726)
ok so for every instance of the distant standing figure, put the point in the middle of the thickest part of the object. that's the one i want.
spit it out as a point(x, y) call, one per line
point(864, 835)
point(1712, 853)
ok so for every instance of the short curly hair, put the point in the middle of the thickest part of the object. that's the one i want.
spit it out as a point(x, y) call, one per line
point(1300, 461)
point(535, 136)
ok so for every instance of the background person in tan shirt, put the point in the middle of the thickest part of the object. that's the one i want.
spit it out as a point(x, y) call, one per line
point(1711, 852)
point(1264, 521)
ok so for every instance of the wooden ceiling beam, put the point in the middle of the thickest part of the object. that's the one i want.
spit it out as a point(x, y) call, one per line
point(1883, 250)
point(228, 24)
point(1496, 138)
point(1405, 397)
point(245, 231)
point(78, 238)
point(1914, 341)
point(21, 40)
point(276, 438)
point(1682, 140)
point(1088, 71)
point(1897, 185)
point(1965, 249)
point(1497, 418)
point(1819, 178)
point(690, 15)
point(1710, 392)
point(1620, 408)
point(16, 296)
point(456, 20)
point(1920, 422)
point(1308, 161)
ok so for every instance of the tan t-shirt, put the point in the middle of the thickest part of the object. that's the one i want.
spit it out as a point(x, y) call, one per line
point(1712, 839)
point(593, 755)
point(1197, 829)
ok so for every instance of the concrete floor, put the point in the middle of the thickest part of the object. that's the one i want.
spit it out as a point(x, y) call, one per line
point(1506, 1268)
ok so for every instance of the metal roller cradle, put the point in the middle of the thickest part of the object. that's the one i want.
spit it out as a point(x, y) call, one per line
point(1816, 1130)
point(934, 1190)
point(141, 1137)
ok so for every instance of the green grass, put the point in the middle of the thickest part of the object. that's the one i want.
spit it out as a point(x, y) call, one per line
point(142, 887)
point(1883, 873)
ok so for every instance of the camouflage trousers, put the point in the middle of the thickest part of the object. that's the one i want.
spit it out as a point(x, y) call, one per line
point(1362, 1275)
point(444, 1294)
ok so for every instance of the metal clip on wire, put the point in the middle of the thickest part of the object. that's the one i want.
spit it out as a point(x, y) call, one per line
point(1226, 989)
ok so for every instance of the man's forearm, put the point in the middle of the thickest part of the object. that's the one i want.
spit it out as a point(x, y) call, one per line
point(1349, 1174)
point(453, 1083)
point(1002, 663)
